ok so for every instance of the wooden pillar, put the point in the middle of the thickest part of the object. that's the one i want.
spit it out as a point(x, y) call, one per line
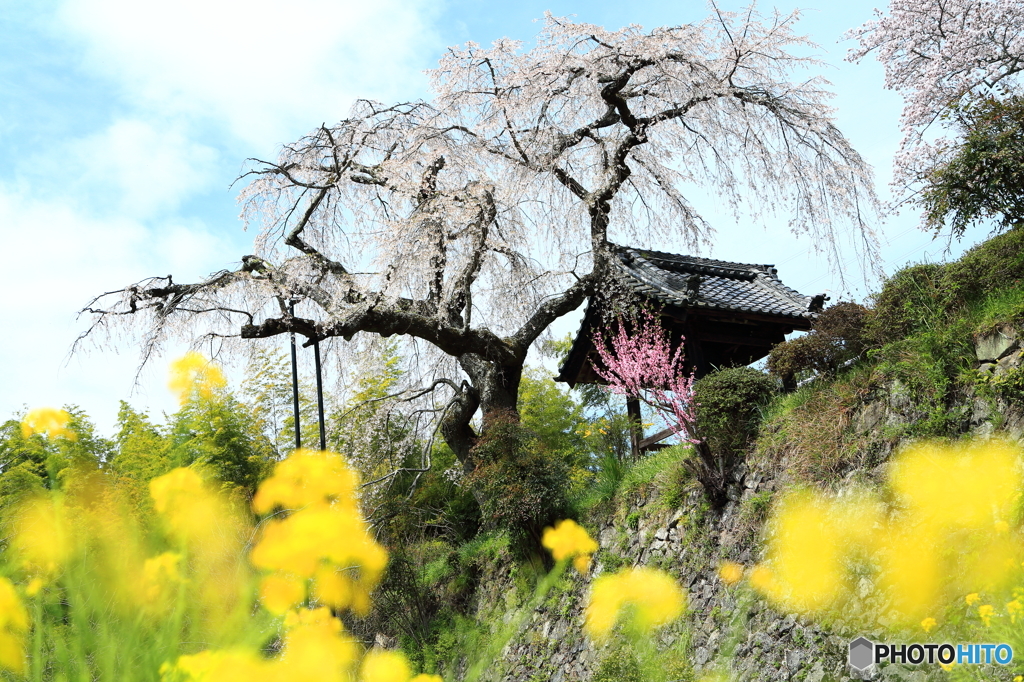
point(636, 425)
point(694, 351)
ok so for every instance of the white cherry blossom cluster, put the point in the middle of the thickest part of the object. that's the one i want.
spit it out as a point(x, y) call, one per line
point(938, 53)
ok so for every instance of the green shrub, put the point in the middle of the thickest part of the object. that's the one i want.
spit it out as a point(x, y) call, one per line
point(728, 403)
point(619, 665)
point(922, 297)
point(839, 335)
point(789, 359)
point(987, 267)
point(910, 300)
point(521, 486)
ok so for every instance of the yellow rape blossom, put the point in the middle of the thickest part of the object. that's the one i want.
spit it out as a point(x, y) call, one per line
point(653, 596)
point(730, 572)
point(299, 544)
point(160, 576)
point(307, 477)
point(48, 420)
point(384, 666)
point(316, 650)
point(810, 539)
point(192, 373)
point(13, 626)
point(333, 587)
point(761, 579)
point(985, 612)
point(279, 593)
point(299, 617)
point(941, 497)
point(174, 489)
point(569, 539)
point(217, 666)
point(193, 512)
point(34, 587)
point(982, 480)
point(1015, 609)
point(324, 538)
point(42, 538)
point(928, 624)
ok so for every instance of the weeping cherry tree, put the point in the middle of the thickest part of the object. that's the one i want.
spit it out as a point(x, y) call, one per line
point(468, 223)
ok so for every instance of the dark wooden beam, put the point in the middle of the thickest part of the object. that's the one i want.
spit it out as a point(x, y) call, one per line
point(737, 340)
point(801, 323)
point(646, 443)
point(636, 426)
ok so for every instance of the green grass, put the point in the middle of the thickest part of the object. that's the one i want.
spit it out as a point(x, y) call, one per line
point(1005, 306)
point(652, 471)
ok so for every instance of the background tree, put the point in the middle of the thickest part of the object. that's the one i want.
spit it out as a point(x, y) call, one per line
point(470, 222)
point(224, 436)
point(33, 462)
point(981, 178)
point(267, 389)
point(141, 453)
point(949, 59)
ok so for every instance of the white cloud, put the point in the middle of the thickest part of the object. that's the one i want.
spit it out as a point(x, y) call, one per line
point(56, 258)
point(132, 168)
point(142, 168)
point(265, 68)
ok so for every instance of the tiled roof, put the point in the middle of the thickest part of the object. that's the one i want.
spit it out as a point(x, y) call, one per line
point(670, 277)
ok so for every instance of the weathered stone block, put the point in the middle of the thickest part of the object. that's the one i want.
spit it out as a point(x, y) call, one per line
point(992, 346)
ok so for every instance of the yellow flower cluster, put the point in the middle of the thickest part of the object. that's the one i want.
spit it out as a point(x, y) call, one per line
point(944, 528)
point(13, 626)
point(42, 538)
point(323, 538)
point(730, 572)
point(48, 420)
point(159, 576)
point(194, 374)
point(89, 525)
point(1015, 609)
point(315, 650)
point(570, 540)
point(188, 507)
point(318, 537)
point(651, 596)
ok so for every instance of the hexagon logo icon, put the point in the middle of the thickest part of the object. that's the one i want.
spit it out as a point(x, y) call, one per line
point(862, 654)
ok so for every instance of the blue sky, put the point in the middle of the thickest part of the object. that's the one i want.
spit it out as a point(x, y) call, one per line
point(123, 125)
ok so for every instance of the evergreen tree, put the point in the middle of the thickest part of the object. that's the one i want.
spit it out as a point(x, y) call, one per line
point(33, 462)
point(142, 453)
point(225, 436)
point(267, 388)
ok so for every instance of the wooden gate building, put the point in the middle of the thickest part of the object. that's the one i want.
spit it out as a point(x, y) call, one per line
point(729, 314)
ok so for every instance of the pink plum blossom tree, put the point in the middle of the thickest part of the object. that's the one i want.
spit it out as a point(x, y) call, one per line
point(637, 361)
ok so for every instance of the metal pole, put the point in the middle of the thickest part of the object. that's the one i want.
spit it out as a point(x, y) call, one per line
point(295, 384)
point(319, 395)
